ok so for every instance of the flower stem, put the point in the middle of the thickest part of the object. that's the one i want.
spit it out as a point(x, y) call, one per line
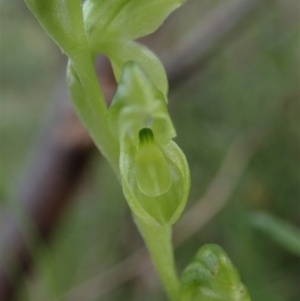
point(159, 243)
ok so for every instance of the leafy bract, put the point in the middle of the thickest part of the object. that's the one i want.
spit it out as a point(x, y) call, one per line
point(112, 24)
point(211, 276)
point(154, 171)
point(63, 21)
point(88, 115)
point(124, 20)
point(83, 109)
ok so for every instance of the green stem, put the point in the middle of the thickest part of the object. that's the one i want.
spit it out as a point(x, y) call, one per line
point(159, 243)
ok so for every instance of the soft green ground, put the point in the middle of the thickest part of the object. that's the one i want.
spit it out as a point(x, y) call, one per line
point(253, 82)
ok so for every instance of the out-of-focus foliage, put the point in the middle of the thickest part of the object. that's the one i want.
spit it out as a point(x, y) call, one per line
point(277, 229)
point(28, 59)
point(251, 83)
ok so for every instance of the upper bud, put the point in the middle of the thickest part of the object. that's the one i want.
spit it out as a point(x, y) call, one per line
point(211, 276)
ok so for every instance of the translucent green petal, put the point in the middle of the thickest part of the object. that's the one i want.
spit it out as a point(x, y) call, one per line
point(152, 171)
point(212, 277)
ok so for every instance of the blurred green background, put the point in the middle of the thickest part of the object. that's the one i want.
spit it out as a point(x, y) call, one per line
point(250, 83)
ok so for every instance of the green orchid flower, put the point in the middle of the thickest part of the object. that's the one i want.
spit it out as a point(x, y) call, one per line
point(154, 171)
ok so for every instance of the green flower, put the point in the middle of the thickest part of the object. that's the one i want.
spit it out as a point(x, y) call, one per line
point(154, 171)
